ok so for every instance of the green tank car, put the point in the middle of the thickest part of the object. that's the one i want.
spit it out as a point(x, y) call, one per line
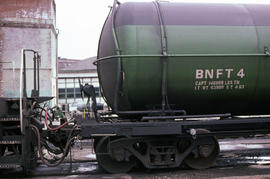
point(201, 58)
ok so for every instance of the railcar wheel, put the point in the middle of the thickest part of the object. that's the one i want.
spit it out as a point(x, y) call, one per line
point(107, 162)
point(205, 154)
point(95, 143)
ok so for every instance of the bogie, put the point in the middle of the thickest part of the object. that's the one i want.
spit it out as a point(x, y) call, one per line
point(122, 154)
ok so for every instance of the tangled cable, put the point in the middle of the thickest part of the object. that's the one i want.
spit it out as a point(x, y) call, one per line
point(66, 150)
point(47, 125)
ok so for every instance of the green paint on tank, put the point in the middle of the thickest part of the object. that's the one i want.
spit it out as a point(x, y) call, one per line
point(217, 58)
point(199, 85)
point(141, 74)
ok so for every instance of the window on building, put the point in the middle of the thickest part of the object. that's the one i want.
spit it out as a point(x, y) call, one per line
point(64, 93)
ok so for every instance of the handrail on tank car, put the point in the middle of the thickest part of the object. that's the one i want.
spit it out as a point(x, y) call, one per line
point(116, 43)
point(266, 54)
point(147, 118)
point(183, 112)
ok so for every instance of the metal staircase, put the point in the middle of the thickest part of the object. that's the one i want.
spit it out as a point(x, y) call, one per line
point(15, 146)
point(10, 136)
point(16, 138)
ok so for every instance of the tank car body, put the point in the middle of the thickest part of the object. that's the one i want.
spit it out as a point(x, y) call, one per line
point(166, 69)
point(201, 58)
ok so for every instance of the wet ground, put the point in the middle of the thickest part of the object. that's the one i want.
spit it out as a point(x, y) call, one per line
point(239, 158)
point(238, 172)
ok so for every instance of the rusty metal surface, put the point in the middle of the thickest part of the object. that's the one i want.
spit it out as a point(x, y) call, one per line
point(28, 11)
point(1, 65)
point(1, 75)
point(27, 24)
point(28, 14)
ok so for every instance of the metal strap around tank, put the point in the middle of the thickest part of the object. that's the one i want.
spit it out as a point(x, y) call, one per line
point(119, 65)
point(164, 57)
point(163, 32)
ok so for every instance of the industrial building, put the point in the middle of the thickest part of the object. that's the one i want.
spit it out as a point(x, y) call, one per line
point(28, 24)
point(69, 73)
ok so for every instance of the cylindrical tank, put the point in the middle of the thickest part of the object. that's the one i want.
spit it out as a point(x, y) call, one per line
point(204, 58)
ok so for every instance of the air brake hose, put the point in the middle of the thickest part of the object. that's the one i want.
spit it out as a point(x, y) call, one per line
point(48, 127)
point(36, 131)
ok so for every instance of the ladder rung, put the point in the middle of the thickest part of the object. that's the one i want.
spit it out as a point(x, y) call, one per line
point(6, 119)
point(10, 161)
point(7, 166)
point(4, 142)
point(10, 140)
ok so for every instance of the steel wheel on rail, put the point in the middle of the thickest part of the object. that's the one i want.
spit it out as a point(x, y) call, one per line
point(95, 142)
point(205, 153)
point(108, 161)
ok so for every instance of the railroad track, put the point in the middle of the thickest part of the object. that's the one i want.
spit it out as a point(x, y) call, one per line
point(243, 153)
point(233, 158)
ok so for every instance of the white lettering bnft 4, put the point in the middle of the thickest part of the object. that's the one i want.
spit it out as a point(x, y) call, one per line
point(219, 73)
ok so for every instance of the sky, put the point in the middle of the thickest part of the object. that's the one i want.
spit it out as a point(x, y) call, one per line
point(80, 23)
